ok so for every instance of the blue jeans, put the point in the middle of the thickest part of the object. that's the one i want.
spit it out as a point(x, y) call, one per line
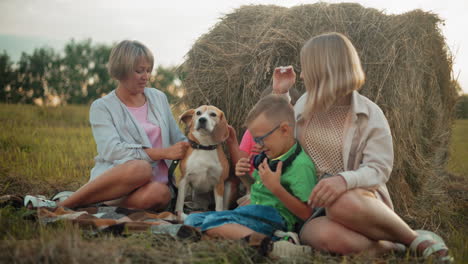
point(260, 218)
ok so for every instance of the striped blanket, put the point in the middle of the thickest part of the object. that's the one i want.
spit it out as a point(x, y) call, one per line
point(110, 219)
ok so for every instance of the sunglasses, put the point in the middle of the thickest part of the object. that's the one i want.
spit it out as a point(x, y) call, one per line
point(259, 140)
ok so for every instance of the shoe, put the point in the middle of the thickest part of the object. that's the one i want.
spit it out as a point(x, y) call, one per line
point(286, 249)
point(37, 201)
point(288, 236)
point(424, 235)
point(61, 196)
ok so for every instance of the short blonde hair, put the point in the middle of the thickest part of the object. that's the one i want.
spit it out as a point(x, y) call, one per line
point(331, 69)
point(275, 108)
point(125, 55)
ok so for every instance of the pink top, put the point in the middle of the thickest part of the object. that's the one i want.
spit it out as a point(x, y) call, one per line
point(246, 145)
point(153, 132)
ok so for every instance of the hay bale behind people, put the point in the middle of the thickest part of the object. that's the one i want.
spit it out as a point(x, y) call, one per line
point(408, 74)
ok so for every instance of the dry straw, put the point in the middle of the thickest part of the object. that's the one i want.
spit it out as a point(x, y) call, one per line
point(408, 74)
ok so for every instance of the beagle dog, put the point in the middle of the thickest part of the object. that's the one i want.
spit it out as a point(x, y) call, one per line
point(205, 166)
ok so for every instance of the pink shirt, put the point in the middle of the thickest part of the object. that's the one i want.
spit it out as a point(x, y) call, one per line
point(153, 132)
point(246, 145)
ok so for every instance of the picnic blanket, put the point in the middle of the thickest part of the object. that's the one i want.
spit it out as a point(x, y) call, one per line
point(110, 219)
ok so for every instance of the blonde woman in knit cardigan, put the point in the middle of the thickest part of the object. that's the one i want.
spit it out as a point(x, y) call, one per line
point(349, 139)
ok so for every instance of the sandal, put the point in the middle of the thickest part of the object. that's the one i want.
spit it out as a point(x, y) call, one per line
point(37, 201)
point(439, 245)
point(61, 196)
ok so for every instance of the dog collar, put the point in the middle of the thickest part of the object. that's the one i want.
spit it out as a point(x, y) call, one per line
point(195, 145)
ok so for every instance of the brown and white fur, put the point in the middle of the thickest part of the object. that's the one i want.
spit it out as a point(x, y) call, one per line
point(204, 170)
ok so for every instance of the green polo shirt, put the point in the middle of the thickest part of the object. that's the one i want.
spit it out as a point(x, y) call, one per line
point(298, 179)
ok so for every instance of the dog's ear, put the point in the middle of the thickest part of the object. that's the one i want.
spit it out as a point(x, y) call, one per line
point(186, 117)
point(221, 131)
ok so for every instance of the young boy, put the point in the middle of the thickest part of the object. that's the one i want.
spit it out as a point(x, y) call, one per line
point(247, 148)
point(284, 177)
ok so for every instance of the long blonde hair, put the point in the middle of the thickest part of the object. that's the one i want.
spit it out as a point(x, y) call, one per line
point(331, 69)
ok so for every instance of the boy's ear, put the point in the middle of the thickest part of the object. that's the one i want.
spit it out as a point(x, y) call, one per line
point(186, 117)
point(284, 127)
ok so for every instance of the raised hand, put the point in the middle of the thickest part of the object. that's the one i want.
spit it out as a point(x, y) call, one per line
point(270, 179)
point(283, 79)
point(243, 166)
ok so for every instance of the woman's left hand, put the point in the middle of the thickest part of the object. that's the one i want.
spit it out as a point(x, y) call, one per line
point(327, 191)
point(270, 179)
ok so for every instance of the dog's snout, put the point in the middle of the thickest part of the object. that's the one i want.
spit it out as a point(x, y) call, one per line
point(202, 120)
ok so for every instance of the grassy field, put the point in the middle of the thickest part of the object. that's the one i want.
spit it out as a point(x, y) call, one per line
point(458, 162)
point(45, 150)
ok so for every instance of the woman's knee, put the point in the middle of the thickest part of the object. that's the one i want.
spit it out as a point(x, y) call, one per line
point(318, 234)
point(157, 196)
point(349, 204)
point(153, 195)
point(329, 236)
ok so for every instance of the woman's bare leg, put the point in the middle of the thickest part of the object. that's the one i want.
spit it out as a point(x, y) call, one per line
point(357, 222)
point(153, 195)
point(360, 217)
point(230, 231)
point(113, 183)
point(360, 211)
point(325, 235)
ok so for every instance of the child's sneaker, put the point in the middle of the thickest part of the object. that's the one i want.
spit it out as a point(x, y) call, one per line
point(286, 249)
point(289, 246)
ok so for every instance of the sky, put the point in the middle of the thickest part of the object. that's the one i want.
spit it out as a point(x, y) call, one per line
point(170, 28)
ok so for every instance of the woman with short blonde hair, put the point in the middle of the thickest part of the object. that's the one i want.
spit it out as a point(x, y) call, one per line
point(136, 137)
point(349, 139)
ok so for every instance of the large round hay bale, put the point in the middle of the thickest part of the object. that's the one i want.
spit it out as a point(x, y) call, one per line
point(408, 74)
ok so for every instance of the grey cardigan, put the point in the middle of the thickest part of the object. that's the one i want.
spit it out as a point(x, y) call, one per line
point(118, 135)
point(367, 145)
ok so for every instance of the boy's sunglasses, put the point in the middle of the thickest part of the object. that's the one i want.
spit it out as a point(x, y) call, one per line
point(259, 140)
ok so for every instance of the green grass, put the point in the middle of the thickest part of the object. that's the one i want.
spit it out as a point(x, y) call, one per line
point(458, 162)
point(45, 150)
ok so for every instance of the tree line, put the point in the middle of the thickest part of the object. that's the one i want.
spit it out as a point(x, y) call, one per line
point(78, 75)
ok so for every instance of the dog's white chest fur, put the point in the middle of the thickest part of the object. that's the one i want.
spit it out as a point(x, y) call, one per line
point(203, 170)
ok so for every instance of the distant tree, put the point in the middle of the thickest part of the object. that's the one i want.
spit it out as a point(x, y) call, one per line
point(168, 81)
point(462, 107)
point(78, 76)
point(7, 76)
point(75, 71)
point(33, 75)
point(100, 83)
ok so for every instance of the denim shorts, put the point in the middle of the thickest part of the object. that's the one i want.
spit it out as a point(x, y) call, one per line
point(260, 218)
